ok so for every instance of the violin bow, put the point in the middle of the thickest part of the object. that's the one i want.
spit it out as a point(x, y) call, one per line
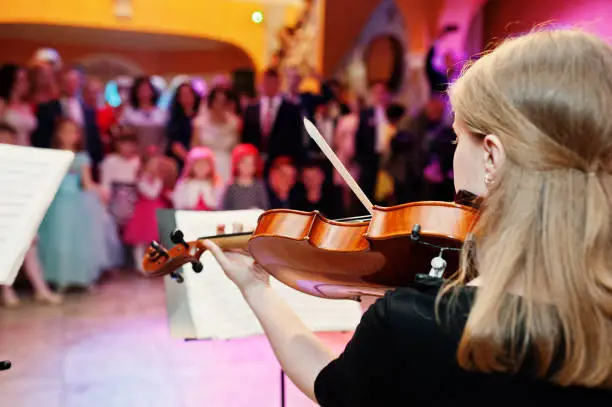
point(333, 158)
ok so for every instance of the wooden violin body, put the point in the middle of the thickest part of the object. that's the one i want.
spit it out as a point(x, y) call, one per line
point(348, 260)
point(343, 260)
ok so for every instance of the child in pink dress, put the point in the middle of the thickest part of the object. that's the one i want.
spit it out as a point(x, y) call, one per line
point(141, 229)
point(199, 186)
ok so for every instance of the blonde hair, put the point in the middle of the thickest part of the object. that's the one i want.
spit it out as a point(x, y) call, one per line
point(546, 223)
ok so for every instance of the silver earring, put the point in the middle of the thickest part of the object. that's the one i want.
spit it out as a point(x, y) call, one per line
point(488, 179)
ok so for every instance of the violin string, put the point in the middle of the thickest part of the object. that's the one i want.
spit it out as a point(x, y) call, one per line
point(225, 235)
point(363, 218)
point(442, 248)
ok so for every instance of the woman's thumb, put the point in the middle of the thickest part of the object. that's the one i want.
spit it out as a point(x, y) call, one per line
point(217, 253)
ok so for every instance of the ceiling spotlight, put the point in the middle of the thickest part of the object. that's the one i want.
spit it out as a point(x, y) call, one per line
point(257, 17)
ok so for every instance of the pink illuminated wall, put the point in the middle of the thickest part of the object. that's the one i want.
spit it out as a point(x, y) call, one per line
point(504, 17)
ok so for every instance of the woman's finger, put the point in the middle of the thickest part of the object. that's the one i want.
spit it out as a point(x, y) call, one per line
point(218, 254)
point(239, 256)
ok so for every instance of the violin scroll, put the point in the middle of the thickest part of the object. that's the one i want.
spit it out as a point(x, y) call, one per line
point(159, 261)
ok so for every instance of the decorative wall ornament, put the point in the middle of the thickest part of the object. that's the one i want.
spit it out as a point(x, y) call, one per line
point(297, 44)
point(386, 21)
point(392, 13)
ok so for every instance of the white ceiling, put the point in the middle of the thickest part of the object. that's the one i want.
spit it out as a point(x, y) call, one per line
point(127, 40)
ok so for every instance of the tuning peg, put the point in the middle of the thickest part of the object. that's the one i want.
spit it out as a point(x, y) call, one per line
point(177, 277)
point(197, 267)
point(159, 249)
point(177, 237)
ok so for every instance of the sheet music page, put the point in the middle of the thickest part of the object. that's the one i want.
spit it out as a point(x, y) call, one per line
point(29, 179)
point(217, 307)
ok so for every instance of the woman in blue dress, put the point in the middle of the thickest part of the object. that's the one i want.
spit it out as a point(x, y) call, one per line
point(76, 239)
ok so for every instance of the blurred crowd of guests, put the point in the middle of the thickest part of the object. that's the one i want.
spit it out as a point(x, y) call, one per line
point(221, 150)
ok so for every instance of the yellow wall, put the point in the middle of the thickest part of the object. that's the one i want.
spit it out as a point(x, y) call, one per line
point(224, 59)
point(222, 20)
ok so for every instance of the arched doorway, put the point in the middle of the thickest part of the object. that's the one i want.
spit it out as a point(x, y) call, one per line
point(384, 61)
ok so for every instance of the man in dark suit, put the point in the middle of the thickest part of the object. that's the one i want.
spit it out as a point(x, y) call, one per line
point(369, 139)
point(274, 125)
point(70, 106)
point(306, 101)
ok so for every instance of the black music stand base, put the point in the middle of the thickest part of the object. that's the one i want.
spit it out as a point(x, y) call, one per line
point(282, 388)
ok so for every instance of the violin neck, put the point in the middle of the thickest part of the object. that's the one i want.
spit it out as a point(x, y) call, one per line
point(235, 241)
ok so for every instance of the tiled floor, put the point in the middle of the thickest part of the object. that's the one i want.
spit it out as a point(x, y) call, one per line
point(111, 348)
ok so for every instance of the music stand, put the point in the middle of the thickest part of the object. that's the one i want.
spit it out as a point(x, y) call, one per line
point(282, 387)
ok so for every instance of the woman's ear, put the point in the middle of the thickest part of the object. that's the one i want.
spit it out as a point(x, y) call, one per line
point(494, 154)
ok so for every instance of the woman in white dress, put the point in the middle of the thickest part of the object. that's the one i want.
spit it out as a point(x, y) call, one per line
point(218, 129)
point(143, 115)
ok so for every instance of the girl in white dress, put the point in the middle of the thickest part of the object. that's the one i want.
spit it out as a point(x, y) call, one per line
point(119, 175)
point(199, 187)
point(218, 129)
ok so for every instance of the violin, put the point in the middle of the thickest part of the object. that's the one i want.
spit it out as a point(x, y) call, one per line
point(340, 259)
